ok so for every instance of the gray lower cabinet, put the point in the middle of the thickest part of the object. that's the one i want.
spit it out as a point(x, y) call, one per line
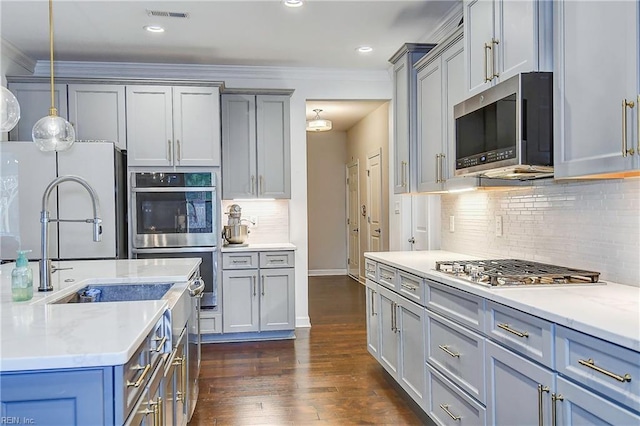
point(35, 101)
point(373, 310)
point(256, 152)
point(258, 292)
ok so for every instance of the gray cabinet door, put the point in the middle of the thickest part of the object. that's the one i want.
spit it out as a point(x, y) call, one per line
point(373, 310)
point(412, 363)
point(389, 340)
point(97, 112)
point(274, 153)
point(454, 93)
point(240, 299)
point(429, 133)
point(149, 126)
point(239, 176)
point(196, 126)
point(401, 126)
point(478, 33)
point(277, 299)
point(35, 101)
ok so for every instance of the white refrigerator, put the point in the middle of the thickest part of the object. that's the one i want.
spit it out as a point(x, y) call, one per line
point(25, 172)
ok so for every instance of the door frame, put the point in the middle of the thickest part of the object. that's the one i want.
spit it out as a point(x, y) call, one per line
point(348, 224)
point(371, 154)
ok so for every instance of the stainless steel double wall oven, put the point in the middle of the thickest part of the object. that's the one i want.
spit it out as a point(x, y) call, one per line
point(176, 214)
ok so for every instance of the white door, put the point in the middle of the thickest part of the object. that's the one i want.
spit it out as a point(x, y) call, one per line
point(374, 200)
point(353, 218)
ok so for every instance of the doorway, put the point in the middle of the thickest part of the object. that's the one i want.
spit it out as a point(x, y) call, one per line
point(374, 201)
point(353, 218)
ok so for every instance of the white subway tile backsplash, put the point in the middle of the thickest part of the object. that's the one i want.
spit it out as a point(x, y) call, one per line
point(587, 224)
point(273, 219)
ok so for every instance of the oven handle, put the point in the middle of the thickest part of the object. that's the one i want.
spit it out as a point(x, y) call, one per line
point(175, 189)
point(174, 250)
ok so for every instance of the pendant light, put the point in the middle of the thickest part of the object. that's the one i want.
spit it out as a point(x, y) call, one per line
point(53, 133)
point(318, 124)
point(9, 110)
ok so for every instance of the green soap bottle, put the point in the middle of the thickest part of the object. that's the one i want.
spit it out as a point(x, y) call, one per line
point(22, 279)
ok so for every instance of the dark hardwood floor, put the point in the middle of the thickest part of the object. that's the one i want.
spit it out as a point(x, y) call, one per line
point(324, 376)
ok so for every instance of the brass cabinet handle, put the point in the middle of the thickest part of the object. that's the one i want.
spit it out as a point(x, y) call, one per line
point(177, 361)
point(373, 306)
point(626, 104)
point(403, 171)
point(386, 277)
point(253, 278)
point(540, 413)
point(511, 330)
point(261, 189)
point(409, 287)
point(158, 412)
point(447, 350)
point(138, 382)
point(487, 47)
point(446, 410)
point(253, 184)
point(262, 285)
point(239, 261)
point(437, 168)
point(591, 364)
point(494, 74)
point(169, 153)
point(442, 157)
point(554, 398)
point(161, 343)
point(179, 150)
point(394, 314)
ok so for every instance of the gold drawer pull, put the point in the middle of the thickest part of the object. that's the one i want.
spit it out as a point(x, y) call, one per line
point(161, 343)
point(386, 277)
point(446, 410)
point(591, 364)
point(446, 349)
point(239, 261)
point(409, 287)
point(138, 382)
point(511, 330)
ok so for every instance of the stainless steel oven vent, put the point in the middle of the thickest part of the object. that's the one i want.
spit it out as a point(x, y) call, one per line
point(167, 14)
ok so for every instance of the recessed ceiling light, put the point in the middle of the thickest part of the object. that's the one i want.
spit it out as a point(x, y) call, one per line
point(365, 49)
point(154, 28)
point(293, 3)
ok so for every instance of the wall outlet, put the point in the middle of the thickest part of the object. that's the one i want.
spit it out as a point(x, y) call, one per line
point(452, 223)
point(498, 226)
point(396, 207)
point(253, 219)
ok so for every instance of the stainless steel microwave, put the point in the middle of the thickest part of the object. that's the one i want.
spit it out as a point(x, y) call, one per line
point(507, 130)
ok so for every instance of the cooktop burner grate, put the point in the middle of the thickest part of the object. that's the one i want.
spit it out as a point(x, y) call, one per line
point(505, 272)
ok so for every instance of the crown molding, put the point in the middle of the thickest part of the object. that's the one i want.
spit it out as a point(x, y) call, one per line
point(12, 52)
point(130, 70)
point(447, 26)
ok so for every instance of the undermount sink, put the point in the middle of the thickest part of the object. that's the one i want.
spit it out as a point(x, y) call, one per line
point(117, 293)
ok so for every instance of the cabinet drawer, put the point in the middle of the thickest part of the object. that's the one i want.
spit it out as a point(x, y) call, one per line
point(276, 259)
point(447, 405)
point(604, 367)
point(524, 333)
point(387, 276)
point(465, 308)
point(248, 260)
point(210, 322)
point(457, 352)
point(411, 287)
point(370, 270)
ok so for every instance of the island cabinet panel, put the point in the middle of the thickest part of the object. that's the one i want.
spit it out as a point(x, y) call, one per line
point(60, 397)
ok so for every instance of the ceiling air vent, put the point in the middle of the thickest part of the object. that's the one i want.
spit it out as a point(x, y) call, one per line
point(167, 14)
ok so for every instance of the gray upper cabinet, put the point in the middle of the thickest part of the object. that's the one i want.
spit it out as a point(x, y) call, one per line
point(35, 101)
point(256, 146)
point(596, 131)
point(97, 112)
point(173, 126)
point(405, 115)
point(504, 38)
point(440, 84)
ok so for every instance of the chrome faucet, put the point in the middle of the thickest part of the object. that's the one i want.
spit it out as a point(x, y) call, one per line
point(45, 262)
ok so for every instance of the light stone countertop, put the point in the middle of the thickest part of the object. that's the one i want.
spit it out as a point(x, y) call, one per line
point(36, 335)
point(610, 312)
point(259, 247)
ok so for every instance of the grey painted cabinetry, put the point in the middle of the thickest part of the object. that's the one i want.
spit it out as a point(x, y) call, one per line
point(256, 146)
point(173, 126)
point(258, 291)
point(405, 115)
point(504, 38)
point(596, 98)
point(35, 101)
point(440, 85)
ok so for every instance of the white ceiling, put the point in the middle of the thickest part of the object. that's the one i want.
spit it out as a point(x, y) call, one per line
point(322, 33)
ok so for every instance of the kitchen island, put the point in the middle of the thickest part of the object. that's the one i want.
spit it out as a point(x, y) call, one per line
point(78, 352)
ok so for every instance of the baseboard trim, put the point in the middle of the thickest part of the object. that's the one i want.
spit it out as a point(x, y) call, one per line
point(323, 272)
point(303, 322)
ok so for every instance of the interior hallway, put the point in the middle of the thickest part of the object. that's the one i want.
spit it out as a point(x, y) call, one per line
point(324, 376)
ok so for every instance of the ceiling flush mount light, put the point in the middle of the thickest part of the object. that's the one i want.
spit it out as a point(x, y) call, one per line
point(318, 124)
point(154, 28)
point(9, 110)
point(364, 49)
point(293, 3)
point(53, 133)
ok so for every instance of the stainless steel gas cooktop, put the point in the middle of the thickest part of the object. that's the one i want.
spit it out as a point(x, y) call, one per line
point(514, 272)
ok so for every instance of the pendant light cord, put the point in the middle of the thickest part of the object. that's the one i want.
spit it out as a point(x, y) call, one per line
point(52, 111)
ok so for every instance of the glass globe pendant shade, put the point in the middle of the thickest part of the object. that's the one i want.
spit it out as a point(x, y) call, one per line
point(9, 110)
point(53, 133)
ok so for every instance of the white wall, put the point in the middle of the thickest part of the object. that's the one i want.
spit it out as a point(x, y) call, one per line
point(326, 192)
point(594, 225)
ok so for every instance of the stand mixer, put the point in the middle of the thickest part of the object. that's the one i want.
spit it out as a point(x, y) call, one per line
point(234, 232)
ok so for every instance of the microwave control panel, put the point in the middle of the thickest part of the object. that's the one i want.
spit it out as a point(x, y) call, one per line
point(485, 158)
